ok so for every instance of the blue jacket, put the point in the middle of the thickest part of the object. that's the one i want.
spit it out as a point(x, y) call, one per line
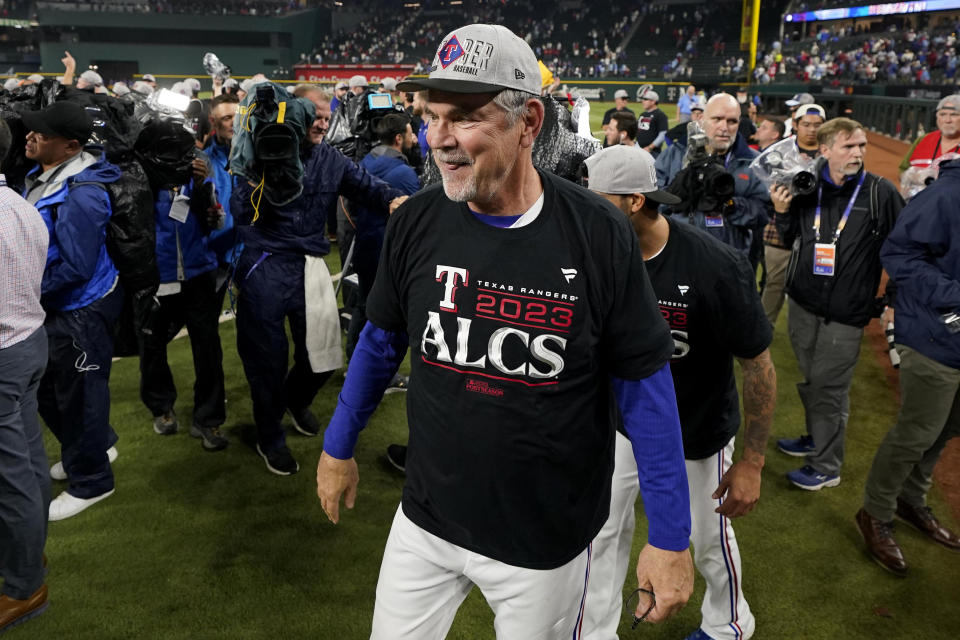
point(922, 255)
point(300, 227)
point(79, 271)
point(751, 198)
point(181, 243)
point(222, 240)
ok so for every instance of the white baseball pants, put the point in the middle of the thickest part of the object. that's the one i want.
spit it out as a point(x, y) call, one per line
point(726, 614)
point(424, 579)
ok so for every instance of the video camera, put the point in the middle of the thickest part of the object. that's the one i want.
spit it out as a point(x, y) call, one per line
point(782, 164)
point(703, 184)
point(352, 127)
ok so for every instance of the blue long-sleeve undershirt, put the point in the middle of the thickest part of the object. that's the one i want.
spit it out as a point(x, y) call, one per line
point(649, 414)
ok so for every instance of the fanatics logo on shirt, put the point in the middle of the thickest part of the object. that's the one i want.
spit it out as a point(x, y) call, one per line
point(569, 274)
point(683, 289)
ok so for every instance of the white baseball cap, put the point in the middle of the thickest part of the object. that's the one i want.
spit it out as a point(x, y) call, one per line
point(480, 58)
point(148, 77)
point(810, 110)
point(35, 77)
point(620, 93)
point(650, 94)
point(625, 170)
point(389, 84)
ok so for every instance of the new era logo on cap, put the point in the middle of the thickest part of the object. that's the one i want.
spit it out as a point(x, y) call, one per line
point(519, 75)
point(450, 52)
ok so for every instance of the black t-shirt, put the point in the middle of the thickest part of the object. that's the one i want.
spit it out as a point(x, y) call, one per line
point(649, 126)
point(708, 295)
point(612, 110)
point(514, 334)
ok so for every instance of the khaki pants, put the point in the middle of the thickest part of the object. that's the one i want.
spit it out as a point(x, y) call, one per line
point(776, 260)
point(929, 416)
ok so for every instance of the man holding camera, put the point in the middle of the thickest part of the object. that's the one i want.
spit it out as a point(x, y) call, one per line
point(922, 255)
point(707, 292)
point(836, 233)
point(185, 213)
point(280, 265)
point(736, 216)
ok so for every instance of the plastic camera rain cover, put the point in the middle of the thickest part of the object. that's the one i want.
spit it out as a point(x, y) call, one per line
point(215, 68)
point(782, 164)
point(917, 178)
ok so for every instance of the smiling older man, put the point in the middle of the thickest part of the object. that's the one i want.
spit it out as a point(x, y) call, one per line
point(525, 302)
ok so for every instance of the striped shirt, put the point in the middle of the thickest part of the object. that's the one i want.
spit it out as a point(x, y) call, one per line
point(23, 255)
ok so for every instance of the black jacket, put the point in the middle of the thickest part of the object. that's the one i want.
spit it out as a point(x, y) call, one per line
point(849, 295)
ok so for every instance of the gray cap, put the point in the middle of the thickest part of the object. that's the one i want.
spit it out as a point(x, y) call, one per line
point(343, 84)
point(230, 82)
point(148, 77)
point(696, 105)
point(480, 58)
point(650, 94)
point(800, 98)
point(808, 110)
point(142, 87)
point(950, 102)
point(625, 170)
point(389, 84)
point(359, 81)
point(120, 88)
point(92, 77)
point(247, 85)
point(192, 83)
point(35, 77)
point(620, 93)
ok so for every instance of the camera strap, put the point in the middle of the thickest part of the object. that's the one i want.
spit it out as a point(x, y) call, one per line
point(846, 212)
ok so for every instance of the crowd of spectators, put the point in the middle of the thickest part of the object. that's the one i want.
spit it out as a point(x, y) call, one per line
point(194, 7)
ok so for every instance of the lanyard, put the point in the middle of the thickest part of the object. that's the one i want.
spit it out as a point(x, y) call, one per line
point(846, 212)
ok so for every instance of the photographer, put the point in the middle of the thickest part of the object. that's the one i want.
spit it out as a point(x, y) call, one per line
point(387, 162)
point(185, 212)
point(836, 233)
point(283, 249)
point(922, 255)
point(733, 216)
point(223, 111)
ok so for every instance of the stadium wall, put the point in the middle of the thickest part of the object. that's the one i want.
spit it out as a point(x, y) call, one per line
point(175, 43)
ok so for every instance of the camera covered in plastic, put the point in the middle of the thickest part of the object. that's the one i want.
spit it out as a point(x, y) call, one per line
point(782, 164)
point(703, 184)
point(919, 177)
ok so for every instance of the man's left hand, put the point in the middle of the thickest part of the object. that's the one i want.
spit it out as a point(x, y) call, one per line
point(669, 574)
point(739, 488)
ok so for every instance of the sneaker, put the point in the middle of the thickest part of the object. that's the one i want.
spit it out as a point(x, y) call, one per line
point(57, 472)
point(212, 439)
point(305, 422)
point(797, 447)
point(397, 456)
point(166, 424)
point(279, 462)
point(66, 506)
point(810, 479)
point(398, 384)
point(699, 634)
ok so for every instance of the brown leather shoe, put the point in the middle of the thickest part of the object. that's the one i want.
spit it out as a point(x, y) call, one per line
point(922, 518)
point(880, 543)
point(14, 612)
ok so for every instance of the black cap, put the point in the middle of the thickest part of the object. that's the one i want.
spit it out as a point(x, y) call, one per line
point(65, 119)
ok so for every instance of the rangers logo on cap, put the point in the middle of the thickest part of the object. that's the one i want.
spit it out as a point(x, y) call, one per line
point(450, 52)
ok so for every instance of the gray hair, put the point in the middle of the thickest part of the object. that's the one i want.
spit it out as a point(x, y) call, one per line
point(514, 102)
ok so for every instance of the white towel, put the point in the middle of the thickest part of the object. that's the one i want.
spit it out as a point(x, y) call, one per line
point(323, 318)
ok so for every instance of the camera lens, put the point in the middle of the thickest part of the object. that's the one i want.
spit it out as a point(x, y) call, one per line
point(804, 183)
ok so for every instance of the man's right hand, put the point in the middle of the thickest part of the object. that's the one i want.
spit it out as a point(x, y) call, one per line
point(68, 62)
point(781, 197)
point(336, 477)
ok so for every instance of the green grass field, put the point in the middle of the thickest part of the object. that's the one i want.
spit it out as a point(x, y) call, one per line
point(198, 545)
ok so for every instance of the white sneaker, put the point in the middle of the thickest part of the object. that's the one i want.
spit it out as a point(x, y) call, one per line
point(65, 505)
point(57, 472)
